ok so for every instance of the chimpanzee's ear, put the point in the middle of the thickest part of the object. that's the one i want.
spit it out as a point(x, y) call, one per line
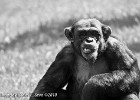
point(106, 30)
point(69, 33)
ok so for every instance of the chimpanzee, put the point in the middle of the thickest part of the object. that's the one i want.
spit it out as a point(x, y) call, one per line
point(95, 66)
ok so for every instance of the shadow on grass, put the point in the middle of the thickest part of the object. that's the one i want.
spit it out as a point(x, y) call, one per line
point(49, 33)
point(27, 40)
point(46, 34)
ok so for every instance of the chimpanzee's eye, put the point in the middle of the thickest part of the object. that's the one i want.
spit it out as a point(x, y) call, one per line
point(95, 34)
point(82, 34)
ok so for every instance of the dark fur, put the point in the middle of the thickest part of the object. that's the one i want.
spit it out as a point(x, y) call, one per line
point(122, 79)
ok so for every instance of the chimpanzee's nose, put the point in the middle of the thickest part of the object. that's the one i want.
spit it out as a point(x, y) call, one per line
point(89, 39)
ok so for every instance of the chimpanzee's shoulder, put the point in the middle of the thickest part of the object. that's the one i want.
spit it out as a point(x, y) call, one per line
point(66, 53)
point(67, 49)
point(114, 41)
point(118, 50)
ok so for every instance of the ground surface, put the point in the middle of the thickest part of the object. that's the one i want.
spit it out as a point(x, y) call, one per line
point(31, 34)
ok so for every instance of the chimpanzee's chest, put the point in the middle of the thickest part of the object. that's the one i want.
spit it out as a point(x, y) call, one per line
point(84, 70)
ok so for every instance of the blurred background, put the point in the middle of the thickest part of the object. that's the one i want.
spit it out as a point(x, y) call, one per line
point(32, 33)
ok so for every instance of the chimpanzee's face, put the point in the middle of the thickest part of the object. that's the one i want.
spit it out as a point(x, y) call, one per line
point(88, 38)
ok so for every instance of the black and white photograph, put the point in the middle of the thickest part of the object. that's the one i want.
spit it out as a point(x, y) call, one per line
point(69, 49)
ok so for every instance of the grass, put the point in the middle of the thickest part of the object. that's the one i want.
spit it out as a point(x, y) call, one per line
point(20, 71)
point(31, 34)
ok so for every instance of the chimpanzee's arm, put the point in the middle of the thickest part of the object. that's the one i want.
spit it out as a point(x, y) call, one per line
point(124, 67)
point(57, 75)
point(124, 77)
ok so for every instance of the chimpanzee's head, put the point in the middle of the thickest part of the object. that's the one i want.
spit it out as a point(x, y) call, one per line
point(88, 36)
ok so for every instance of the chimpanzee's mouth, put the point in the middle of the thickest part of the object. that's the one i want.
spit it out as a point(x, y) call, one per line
point(88, 50)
